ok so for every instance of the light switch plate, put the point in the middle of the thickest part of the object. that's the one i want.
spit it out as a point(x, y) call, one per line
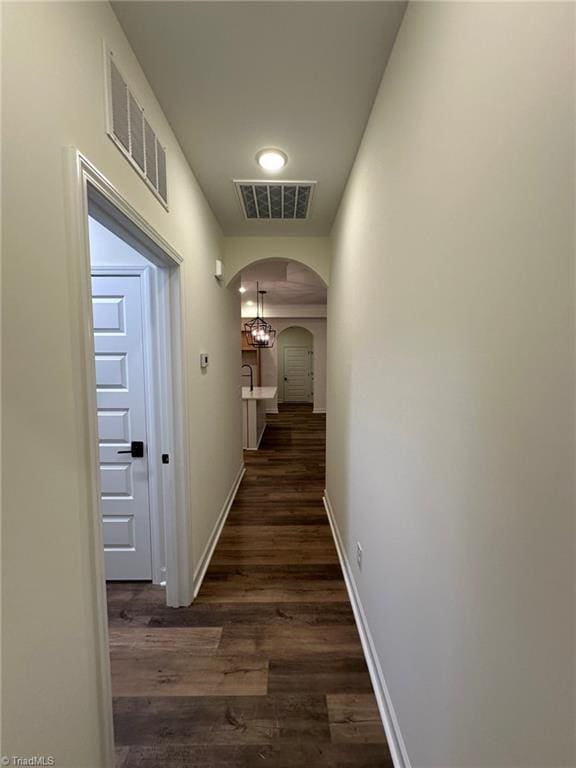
point(203, 360)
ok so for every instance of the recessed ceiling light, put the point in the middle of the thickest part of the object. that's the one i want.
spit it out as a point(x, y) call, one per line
point(242, 289)
point(271, 159)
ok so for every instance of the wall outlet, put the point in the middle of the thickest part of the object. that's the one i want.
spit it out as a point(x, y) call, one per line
point(359, 555)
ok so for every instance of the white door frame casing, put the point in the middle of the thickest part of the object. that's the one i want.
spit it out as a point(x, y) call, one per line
point(166, 422)
point(81, 177)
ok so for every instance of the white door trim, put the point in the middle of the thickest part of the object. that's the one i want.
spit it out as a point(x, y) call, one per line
point(81, 177)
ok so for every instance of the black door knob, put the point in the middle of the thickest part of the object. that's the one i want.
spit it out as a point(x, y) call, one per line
point(136, 449)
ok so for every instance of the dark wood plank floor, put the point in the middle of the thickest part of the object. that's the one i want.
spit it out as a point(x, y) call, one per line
point(266, 667)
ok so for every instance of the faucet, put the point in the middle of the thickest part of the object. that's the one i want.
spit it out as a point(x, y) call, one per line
point(251, 374)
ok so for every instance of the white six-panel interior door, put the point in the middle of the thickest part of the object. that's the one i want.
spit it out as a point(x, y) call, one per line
point(297, 374)
point(121, 402)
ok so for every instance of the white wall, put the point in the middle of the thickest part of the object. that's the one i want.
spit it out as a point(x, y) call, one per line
point(53, 97)
point(451, 382)
point(269, 358)
point(241, 252)
point(287, 310)
point(107, 249)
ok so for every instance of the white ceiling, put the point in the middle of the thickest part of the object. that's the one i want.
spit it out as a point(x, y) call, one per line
point(286, 283)
point(233, 77)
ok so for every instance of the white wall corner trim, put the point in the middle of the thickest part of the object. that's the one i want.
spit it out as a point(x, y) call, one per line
point(389, 719)
point(202, 567)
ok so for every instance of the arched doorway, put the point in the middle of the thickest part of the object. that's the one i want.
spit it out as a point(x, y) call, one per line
point(296, 298)
point(295, 359)
point(244, 253)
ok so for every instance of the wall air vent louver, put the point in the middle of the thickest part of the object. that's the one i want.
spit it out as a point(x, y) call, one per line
point(275, 200)
point(129, 129)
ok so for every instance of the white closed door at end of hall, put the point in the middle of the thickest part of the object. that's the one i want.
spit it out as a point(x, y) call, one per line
point(122, 435)
point(297, 382)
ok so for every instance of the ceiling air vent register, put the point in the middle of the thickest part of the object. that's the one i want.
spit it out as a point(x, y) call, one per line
point(278, 200)
point(130, 130)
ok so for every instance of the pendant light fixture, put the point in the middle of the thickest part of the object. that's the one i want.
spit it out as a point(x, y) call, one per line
point(257, 332)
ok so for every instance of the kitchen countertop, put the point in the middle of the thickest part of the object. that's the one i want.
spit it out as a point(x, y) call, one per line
point(259, 393)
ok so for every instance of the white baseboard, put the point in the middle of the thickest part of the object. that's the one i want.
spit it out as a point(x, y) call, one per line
point(319, 410)
point(389, 719)
point(202, 567)
point(271, 410)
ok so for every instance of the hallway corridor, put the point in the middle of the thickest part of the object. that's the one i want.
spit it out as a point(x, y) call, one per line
point(266, 667)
